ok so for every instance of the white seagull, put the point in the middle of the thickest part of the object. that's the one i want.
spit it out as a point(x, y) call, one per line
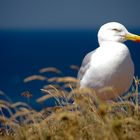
point(109, 66)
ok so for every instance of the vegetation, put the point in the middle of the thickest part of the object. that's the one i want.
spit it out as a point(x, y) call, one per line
point(87, 118)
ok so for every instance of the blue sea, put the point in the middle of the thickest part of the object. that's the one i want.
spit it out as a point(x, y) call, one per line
point(24, 52)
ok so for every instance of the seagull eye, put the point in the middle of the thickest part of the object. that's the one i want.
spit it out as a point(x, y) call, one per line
point(118, 30)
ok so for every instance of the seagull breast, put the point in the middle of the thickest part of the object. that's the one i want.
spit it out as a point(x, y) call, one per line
point(109, 66)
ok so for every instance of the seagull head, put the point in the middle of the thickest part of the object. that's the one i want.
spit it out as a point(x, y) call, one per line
point(114, 31)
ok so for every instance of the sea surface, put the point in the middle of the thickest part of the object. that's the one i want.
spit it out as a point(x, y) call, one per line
point(24, 52)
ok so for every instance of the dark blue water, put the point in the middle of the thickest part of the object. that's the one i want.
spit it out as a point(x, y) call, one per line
point(23, 53)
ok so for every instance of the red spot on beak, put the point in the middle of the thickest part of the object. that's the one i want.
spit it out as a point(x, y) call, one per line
point(138, 41)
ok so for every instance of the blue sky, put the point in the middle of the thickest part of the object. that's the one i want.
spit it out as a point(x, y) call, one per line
point(52, 14)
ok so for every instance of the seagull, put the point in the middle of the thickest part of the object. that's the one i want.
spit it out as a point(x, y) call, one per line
point(110, 65)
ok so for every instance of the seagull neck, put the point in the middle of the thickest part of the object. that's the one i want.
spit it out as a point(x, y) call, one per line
point(109, 42)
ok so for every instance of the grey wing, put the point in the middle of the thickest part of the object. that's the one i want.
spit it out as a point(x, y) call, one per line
point(85, 65)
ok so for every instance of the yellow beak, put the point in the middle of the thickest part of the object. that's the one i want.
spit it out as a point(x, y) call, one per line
point(133, 37)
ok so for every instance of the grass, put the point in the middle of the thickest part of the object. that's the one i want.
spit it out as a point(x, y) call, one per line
point(87, 118)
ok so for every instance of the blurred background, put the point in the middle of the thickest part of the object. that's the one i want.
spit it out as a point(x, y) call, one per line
point(45, 33)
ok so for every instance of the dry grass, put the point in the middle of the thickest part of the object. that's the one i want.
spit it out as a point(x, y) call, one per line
point(87, 119)
point(50, 69)
point(34, 77)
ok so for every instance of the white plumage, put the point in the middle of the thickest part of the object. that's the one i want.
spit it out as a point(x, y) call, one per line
point(109, 66)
